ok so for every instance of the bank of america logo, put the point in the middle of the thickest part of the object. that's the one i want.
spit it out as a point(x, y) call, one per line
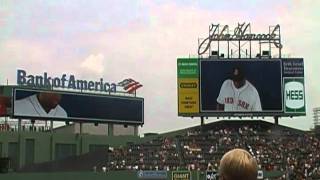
point(130, 85)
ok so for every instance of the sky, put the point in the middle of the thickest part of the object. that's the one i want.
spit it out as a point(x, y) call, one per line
point(142, 40)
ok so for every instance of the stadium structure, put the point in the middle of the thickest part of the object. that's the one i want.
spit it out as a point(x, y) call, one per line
point(316, 119)
point(97, 145)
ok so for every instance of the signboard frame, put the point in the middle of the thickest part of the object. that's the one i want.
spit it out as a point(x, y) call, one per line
point(287, 109)
point(188, 85)
point(141, 174)
point(264, 113)
point(210, 173)
point(173, 172)
point(76, 119)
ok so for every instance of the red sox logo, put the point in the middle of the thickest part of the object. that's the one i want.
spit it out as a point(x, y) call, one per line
point(130, 85)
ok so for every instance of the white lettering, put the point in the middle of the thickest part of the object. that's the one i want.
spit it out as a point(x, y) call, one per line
point(240, 33)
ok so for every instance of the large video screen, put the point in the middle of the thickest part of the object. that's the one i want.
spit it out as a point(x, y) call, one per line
point(57, 105)
point(240, 85)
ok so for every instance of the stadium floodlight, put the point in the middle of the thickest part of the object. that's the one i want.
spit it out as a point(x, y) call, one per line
point(266, 54)
point(214, 53)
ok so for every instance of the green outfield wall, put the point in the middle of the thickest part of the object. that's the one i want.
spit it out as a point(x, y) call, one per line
point(114, 175)
point(35, 147)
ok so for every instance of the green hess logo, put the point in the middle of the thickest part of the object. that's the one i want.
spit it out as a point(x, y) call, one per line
point(294, 95)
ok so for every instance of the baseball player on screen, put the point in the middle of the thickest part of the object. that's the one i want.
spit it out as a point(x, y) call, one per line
point(238, 94)
point(43, 104)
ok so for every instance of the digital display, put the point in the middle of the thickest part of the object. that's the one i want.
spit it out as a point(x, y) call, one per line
point(40, 104)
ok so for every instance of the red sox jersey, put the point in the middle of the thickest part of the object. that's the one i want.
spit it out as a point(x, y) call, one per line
point(245, 98)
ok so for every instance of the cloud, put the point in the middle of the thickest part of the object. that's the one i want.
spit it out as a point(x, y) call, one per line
point(149, 51)
point(93, 64)
point(145, 48)
point(28, 55)
point(301, 39)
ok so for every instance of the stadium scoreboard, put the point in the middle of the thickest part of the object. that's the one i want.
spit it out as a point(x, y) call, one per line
point(273, 87)
point(79, 107)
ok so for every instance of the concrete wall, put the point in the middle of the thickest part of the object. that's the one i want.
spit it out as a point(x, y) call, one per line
point(90, 128)
point(119, 130)
point(100, 129)
point(65, 129)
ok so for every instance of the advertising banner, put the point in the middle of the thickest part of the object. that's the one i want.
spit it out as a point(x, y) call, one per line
point(294, 87)
point(188, 86)
point(152, 174)
point(211, 175)
point(181, 175)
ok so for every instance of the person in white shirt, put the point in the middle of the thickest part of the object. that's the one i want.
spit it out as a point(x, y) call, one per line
point(43, 104)
point(238, 94)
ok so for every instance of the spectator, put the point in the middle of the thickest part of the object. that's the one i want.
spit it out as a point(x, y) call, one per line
point(238, 164)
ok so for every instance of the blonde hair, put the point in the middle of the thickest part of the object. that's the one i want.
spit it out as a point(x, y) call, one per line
point(238, 164)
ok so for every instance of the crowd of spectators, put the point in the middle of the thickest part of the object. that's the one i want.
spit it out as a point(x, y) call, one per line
point(158, 154)
point(276, 148)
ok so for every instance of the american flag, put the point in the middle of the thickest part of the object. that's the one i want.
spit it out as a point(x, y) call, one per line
point(130, 85)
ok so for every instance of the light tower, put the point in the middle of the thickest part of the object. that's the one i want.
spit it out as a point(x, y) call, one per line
point(316, 119)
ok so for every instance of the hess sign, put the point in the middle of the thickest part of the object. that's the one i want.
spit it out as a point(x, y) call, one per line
point(294, 95)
